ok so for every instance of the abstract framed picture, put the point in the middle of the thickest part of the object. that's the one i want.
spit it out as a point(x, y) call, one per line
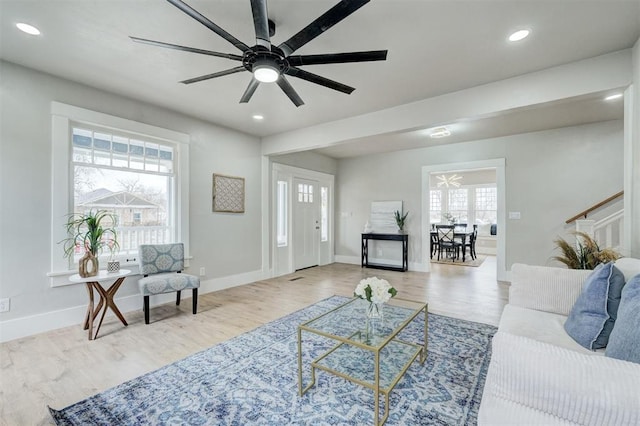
point(228, 194)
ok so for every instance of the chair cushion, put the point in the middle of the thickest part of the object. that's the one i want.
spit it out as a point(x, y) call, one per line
point(167, 283)
point(624, 342)
point(593, 315)
point(156, 258)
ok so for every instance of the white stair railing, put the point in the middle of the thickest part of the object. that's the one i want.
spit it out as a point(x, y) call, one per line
point(608, 232)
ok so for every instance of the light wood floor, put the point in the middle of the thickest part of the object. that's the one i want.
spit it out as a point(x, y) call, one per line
point(61, 367)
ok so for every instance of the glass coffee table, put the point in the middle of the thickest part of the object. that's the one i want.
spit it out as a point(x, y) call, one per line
point(369, 354)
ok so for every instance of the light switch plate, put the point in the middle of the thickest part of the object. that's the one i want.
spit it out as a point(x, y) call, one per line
point(514, 215)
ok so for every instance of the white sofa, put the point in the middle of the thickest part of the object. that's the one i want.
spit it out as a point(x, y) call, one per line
point(538, 375)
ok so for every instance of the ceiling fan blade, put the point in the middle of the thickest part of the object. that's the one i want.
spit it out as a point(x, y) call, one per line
point(214, 75)
point(338, 58)
point(289, 91)
point(207, 23)
point(322, 81)
point(261, 22)
point(251, 88)
point(331, 17)
point(186, 48)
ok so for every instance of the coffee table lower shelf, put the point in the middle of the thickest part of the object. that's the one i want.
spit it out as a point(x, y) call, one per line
point(379, 371)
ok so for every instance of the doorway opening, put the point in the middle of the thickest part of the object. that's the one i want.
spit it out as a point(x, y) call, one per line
point(466, 193)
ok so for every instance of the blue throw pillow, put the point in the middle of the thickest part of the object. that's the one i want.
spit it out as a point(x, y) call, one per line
point(624, 342)
point(593, 315)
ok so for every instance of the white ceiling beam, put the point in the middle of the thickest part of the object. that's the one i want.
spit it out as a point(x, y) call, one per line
point(606, 72)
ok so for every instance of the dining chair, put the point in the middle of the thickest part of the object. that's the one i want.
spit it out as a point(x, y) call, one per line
point(434, 246)
point(162, 265)
point(447, 242)
point(471, 243)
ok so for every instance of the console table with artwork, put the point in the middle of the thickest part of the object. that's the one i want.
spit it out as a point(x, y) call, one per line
point(403, 238)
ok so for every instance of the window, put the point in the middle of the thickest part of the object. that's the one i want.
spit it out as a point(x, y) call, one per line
point(281, 214)
point(473, 204)
point(436, 206)
point(131, 178)
point(458, 204)
point(324, 214)
point(486, 205)
point(305, 193)
point(138, 172)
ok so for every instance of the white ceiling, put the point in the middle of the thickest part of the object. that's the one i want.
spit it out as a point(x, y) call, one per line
point(435, 47)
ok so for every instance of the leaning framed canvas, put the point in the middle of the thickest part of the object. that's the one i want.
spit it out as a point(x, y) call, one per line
point(228, 194)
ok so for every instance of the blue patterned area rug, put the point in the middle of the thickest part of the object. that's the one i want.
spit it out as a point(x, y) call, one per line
point(253, 379)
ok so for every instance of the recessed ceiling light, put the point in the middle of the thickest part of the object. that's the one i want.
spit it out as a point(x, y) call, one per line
point(29, 29)
point(613, 97)
point(439, 132)
point(258, 117)
point(519, 35)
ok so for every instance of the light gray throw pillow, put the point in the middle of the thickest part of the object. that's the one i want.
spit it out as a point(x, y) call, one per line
point(624, 342)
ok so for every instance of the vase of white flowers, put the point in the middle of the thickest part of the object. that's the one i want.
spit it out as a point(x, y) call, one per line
point(377, 292)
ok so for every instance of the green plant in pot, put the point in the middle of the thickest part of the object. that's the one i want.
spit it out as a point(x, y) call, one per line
point(400, 220)
point(94, 231)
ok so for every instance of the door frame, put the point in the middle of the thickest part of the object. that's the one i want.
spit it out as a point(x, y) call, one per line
point(282, 257)
point(499, 165)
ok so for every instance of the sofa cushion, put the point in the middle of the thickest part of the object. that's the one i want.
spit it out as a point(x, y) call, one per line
point(574, 388)
point(624, 342)
point(593, 315)
point(628, 266)
point(541, 326)
point(546, 288)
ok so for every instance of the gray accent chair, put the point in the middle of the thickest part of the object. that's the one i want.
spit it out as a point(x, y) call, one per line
point(161, 266)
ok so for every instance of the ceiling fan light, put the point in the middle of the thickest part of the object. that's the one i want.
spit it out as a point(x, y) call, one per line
point(265, 73)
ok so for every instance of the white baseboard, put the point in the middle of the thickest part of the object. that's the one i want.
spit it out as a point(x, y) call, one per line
point(47, 321)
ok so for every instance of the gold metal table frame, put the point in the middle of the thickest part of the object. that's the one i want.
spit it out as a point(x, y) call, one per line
point(347, 326)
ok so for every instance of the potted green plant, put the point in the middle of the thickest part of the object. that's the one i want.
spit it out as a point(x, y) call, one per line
point(400, 220)
point(86, 230)
point(585, 254)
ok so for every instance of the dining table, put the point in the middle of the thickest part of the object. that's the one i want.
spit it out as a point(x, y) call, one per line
point(458, 233)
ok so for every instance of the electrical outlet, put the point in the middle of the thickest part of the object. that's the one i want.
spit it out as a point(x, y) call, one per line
point(202, 273)
point(5, 305)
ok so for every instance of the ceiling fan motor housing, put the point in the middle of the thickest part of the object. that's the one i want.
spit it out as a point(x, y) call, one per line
point(259, 56)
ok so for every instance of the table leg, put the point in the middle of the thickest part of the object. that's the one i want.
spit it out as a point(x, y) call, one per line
point(88, 321)
point(106, 302)
point(464, 247)
point(376, 389)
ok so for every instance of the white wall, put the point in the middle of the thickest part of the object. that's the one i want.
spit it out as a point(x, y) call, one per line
point(632, 159)
point(550, 176)
point(227, 245)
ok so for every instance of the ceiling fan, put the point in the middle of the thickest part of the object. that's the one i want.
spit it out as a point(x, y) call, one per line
point(269, 63)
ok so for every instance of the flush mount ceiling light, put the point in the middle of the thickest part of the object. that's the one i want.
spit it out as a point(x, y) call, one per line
point(613, 97)
point(519, 35)
point(26, 28)
point(258, 117)
point(449, 180)
point(440, 132)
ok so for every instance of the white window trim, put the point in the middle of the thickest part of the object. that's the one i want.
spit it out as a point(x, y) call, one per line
point(62, 118)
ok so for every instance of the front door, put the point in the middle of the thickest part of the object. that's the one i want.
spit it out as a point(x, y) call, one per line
point(306, 223)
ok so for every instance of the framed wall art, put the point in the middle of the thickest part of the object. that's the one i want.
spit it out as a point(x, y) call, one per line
point(228, 194)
